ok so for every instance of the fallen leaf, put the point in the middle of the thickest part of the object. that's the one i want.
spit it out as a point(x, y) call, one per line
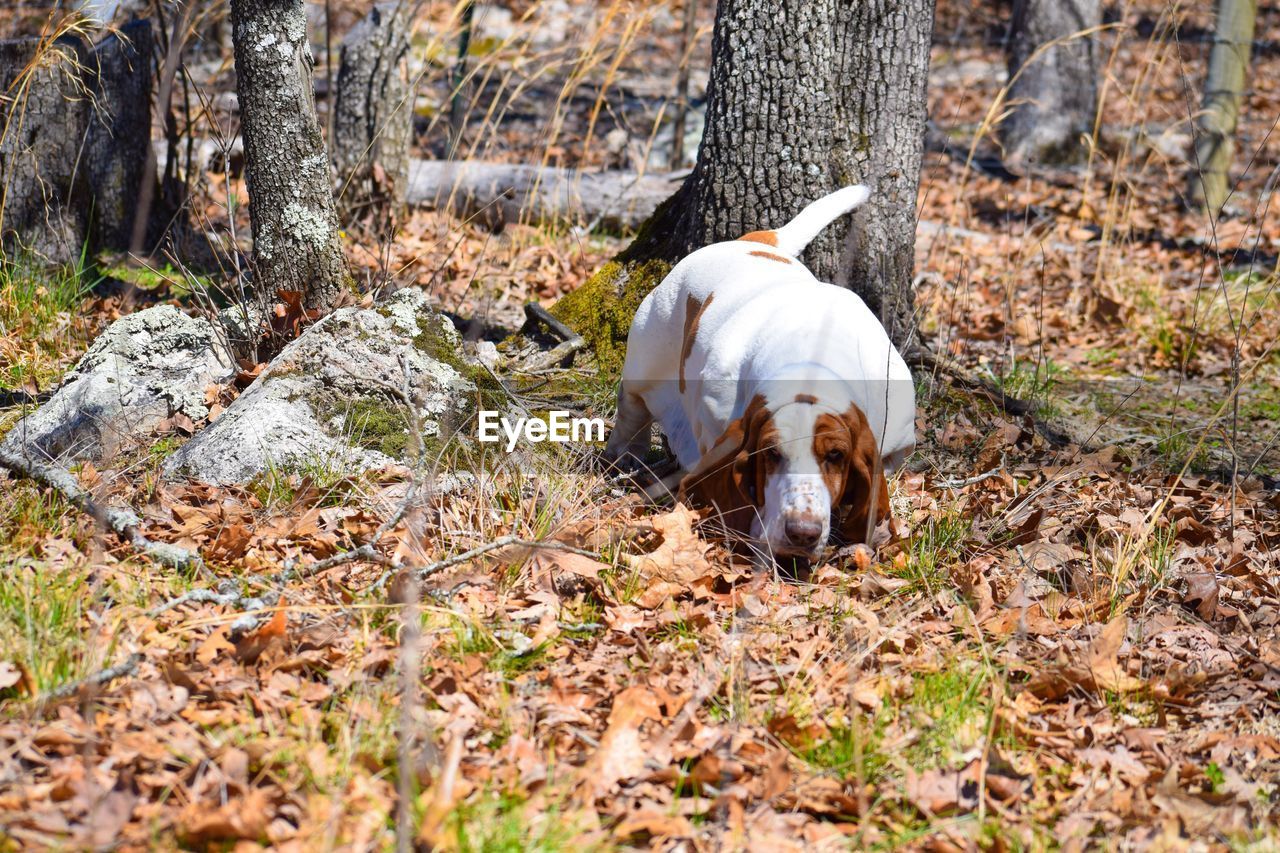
point(9, 674)
point(944, 792)
point(681, 558)
point(621, 754)
point(1202, 597)
point(251, 646)
point(624, 618)
point(1096, 671)
point(242, 818)
point(655, 823)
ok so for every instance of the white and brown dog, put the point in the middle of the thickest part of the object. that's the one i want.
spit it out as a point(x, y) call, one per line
point(781, 396)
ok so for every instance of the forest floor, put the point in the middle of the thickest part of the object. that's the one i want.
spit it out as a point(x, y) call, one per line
point(1076, 645)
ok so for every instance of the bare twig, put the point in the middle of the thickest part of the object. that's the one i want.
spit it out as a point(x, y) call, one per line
point(410, 701)
point(97, 679)
point(971, 481)
point(120, 520)
point(496, 544)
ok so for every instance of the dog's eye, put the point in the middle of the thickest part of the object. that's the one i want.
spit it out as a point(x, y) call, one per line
point(835, 457)
point(772, 455)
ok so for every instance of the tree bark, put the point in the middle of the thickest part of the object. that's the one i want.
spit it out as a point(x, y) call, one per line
point(119, 137)
point(882, 98)
point(1053, 73)
point(44, 197)
point(804, 98)
point(295, 229)
point(373, 116)
point(1208, 185)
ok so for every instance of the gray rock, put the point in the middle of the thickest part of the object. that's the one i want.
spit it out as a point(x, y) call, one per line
point(142, 369)
point(330, 400)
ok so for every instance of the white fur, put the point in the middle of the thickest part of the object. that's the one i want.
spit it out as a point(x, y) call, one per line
point(771, 328)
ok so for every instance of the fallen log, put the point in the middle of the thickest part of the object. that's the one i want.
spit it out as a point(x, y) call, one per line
point(498, 193)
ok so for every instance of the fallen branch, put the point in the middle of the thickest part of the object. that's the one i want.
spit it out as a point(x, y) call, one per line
point(922, 357)
point(120, 520)
point(512, 540)
point(227, 595)
point(971, 481)
point(562, 353)
point(497, 544)
point(97, 679)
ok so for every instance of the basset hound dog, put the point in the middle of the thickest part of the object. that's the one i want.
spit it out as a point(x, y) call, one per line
point(781, 396)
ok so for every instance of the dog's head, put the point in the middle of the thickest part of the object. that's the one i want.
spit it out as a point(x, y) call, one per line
point(787, 474)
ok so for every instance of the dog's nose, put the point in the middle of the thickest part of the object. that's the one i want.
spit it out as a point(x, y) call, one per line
point(803, 532)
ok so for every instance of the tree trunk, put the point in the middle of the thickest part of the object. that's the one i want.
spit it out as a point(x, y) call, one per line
point(883, 103)
point(803, 98)
point(43, 192)
point(1208, 187)
point(373, 116)
point(295, 229)
point(119, 134)
point(1053, 73)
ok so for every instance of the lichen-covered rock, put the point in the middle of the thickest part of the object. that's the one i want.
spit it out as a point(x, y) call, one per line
point(142, 369)
point(331, 400)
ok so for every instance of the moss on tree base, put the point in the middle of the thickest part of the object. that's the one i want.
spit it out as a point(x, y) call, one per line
point(602, 309)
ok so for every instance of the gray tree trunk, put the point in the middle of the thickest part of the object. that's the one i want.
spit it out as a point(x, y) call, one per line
point(806, 97)
point(772, 133)
point(44, 198)
point(1208, 185)
point(373, 116)
point(1053, 73)
point(119, 136)
point(295, 229)
point(882, 98)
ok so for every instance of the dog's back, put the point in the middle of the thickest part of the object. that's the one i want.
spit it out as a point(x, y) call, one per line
point(735, 310)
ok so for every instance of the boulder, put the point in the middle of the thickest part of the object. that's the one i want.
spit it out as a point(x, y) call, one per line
point(332, 400)
point(144, 368)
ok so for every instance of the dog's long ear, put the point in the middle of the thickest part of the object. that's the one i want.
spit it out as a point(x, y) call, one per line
point(724, 477)
point(865, 500)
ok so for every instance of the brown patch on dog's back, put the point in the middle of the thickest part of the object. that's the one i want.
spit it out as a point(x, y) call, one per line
point(767, 237)
point(692, 317)
point(771, 256)
point(806, 398)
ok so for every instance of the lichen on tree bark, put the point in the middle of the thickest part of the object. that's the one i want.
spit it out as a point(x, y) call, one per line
point(295, 229)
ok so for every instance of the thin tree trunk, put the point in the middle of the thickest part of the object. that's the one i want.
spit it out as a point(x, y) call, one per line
point(682, 84)
point(119, 133)
point(1208, 185)
point(295, 229)
point(803, 98)
point(373, 116)
point(44, 196)
point(1053, 69)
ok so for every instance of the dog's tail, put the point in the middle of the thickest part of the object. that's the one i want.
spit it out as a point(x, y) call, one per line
point(799, 232)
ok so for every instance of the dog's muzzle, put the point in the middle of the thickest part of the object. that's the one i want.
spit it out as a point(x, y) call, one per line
point(802, 516)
